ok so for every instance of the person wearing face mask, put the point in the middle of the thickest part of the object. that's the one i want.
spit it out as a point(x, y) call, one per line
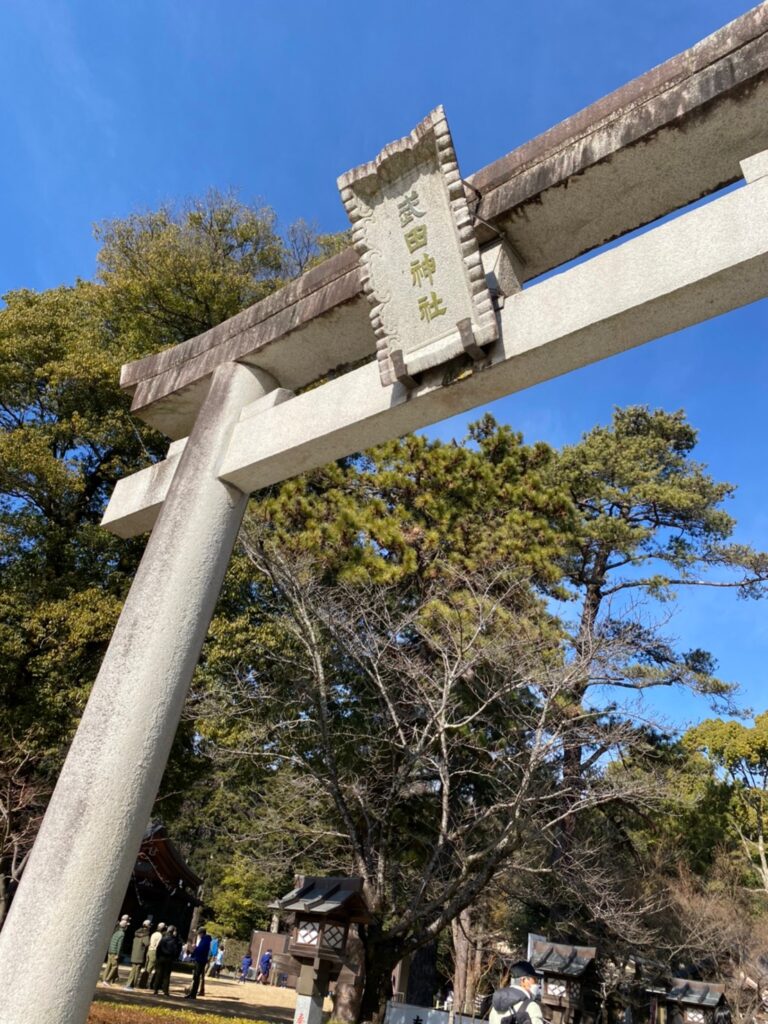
point(516, 1003)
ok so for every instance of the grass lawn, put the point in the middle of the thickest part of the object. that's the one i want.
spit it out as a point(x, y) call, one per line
point(119, 1013)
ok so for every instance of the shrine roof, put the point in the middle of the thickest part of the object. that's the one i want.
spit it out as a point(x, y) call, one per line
point(326, 896)
point(164, 859)
point(558, 958)
point(697, 993)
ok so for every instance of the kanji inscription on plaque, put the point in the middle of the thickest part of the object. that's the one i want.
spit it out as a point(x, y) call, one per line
point(421, 264)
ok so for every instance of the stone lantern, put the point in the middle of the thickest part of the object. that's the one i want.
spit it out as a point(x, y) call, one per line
point(322, 910)
point(686, 1002)
point(568, 975)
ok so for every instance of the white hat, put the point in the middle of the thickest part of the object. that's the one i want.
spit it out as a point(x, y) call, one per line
point(147, 923)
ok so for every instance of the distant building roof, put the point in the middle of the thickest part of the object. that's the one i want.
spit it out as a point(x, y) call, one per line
point(697, 993)
point(326, 896)
point(159, 858)
point(558, 958)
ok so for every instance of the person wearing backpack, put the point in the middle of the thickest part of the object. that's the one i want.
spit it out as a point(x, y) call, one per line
point(516, 1003)
point(168, 949)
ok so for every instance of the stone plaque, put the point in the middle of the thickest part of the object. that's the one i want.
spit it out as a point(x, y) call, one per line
point(420, 259)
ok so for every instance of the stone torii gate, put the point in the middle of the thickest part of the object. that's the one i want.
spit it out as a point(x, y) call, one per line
point(444, 311)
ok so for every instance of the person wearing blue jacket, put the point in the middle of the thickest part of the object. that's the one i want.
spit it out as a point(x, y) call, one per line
point(200, 955)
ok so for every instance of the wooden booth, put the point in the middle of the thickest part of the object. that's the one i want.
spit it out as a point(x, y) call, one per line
point(322, 910)
point(569, 989)
point(686, 1002)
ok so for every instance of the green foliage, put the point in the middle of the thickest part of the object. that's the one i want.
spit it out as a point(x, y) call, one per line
point(649, 521)
point(173, 273)
point(66, 438)
point(738, 753)
point(412, 507)
point(240, 899)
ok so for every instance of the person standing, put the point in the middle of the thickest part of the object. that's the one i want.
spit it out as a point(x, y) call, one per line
point(218, 962)
point(516, 1003)
point(168, 949)
point(212, 956)
point(265, 966)
point(200, 956)
point(138, 954)
point(111, 972)
point(154, 941)
point(245, 966)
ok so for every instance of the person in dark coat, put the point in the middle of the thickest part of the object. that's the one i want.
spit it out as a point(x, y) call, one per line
point(168, 949)
point(200, 955)
point(138, 954)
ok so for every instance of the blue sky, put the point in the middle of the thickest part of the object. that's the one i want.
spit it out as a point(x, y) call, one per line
point(110, 107)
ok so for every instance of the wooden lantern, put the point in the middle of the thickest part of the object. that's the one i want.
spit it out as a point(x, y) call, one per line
point(568, 972)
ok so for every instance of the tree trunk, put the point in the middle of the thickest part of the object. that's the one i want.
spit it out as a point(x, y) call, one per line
point(564, 838)
point(462, 955)
point(3, 897)
point(423, 981)
point(197, 913)
point(381, 958)
point(468, 960)
point(349, 987)
point(474, 978)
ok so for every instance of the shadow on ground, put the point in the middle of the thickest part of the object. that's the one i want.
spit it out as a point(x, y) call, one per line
point(227, 1006)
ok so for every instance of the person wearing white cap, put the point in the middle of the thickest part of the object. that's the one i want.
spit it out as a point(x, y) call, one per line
point(138, 954)
point(152, 953)
point(111, 972)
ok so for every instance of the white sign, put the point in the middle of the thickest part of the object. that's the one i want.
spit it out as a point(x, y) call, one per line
point(420, 259)
point(405, 1013)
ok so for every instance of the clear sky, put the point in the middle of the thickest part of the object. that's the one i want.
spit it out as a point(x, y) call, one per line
point(110, 107)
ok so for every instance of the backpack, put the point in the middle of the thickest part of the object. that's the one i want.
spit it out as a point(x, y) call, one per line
point(519, 1014)
point(516, 1014)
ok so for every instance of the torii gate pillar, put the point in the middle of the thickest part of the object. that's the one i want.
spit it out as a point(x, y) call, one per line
point(82, 859)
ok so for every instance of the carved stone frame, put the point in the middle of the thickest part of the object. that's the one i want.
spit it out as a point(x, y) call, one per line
point(429, 141)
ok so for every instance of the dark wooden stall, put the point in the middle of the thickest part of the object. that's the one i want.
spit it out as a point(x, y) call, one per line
point(569, 989)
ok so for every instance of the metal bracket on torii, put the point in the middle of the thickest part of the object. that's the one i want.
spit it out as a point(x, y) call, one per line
point(240, 394)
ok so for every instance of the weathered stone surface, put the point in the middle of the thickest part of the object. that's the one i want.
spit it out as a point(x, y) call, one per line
point(421, 266)
point(137, 499)
point(82, 859)
point(755, 167)
point(660, 142)
point(707, 261)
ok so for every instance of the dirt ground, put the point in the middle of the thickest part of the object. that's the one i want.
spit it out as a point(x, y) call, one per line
point(224, 999)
